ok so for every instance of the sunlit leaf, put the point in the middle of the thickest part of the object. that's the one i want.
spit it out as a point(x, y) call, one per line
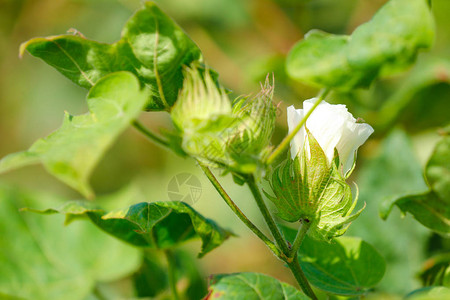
point(392, 39)
point(152, 47)
point(158, 225)
point(42, 259)
point(346, 266)
point(251, 286)
point(385, 45)
point(71, 152)
point(320, 59)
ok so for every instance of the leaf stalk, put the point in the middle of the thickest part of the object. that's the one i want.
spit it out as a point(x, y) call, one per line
point(171, 271)
point(301, 233)
point(297, 271)
point(266, 215)
point(150, 135)
point(239, 213)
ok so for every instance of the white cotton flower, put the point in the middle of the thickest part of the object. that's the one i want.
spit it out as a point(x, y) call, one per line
point(333, 127)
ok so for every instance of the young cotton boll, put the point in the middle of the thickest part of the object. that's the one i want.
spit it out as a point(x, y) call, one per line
point(333, 127)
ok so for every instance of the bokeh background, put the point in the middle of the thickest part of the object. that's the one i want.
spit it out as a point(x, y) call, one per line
point(243, 40)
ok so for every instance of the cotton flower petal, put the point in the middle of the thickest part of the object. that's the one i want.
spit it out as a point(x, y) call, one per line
point(333, 127)
point(354, 135)
point(294, 116)
point(326, 124)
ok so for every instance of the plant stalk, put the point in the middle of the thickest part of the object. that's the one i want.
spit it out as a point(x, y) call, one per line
point(267, 216)
point(292, 259)
point(285, 142)
point(150, 135)
point(301, 233)
point(293, 262)
point(171, 268)
point(296, 270)
point(239, 213)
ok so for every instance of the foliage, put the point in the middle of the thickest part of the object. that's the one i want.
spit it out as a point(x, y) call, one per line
point(346, 266)
point(72, 152)
point(157, 225)
point(432, 207)
point(251, 286)
point(43, 260)
point(152, 47)
point(156, 66)
point(380, 47)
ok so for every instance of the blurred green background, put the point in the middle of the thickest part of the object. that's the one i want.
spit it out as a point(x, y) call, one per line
point(243, 40)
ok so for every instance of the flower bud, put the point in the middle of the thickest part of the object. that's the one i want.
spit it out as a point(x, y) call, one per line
point(219, 133)
point(257, 114)
point(200, 102)
point(310, 185)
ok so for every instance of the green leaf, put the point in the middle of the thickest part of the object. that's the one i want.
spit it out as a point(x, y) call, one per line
point(383, 46)
point(71, 152)
point(430, 293)
point(427, 208)
point(438, 169)
point(346, 266)
point(391, 40)
point(43, 260)
point(393, 171)
point(152, 47)
point(431, 209)
point(251, 286)
point(320, 59)
point(157, 225)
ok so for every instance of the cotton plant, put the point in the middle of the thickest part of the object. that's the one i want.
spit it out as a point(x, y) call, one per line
point(155, 66)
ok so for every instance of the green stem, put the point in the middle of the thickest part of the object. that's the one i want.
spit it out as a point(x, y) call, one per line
point(301, 233)
point(267, 216)
point(295, 268)
point(292, 260)
point(239, 213)
point(150, 135)
point(171, 267)
point(98, 294)
point(285, 142)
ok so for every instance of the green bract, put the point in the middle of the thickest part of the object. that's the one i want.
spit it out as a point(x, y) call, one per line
point(310, 190)
point(383, 46)
point(219, 133)
point(152, 47)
